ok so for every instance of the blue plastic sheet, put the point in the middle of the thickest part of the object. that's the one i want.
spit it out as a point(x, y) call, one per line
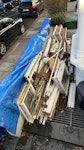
point(12, 84)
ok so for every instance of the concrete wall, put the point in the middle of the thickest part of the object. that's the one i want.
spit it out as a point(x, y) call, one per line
point(71, 6)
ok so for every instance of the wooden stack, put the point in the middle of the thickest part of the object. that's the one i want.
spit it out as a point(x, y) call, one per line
point(46, 78)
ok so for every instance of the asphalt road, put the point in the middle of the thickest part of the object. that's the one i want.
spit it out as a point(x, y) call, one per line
point(8, 61)
point(15, 49)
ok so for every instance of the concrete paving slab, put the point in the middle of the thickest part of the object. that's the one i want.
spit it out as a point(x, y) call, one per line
point(36, 142)
point(6, 66)
point(57, 131)
point(3, 74)
point(32, 32)
point(12, 58)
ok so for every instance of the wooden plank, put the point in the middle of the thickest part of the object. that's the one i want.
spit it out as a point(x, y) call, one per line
point(62, 78)
point(23, 103)
point(71, 97)
point(20, 124)
point(64, 34)
point(52, 73)
point(45, 75)
point(56, 69)
point(44, 119)
point(50, 117)
point(58, 32)
point(50, 101)
point(45, 54)
point(33, 67)
point(54, 48)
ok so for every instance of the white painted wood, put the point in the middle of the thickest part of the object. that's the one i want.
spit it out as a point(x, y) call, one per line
point(51, 100)
point(50, 117)
point(71, 97)
point(58, 32)
point(62, 78)
point(47, 47)
point(44, 119)
point(33, 67)
point(21, 102)
point(20, 124)
point(52, 72)
point(56, 69)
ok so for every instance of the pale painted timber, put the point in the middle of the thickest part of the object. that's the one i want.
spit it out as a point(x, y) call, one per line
point(50, 117)
point(47, 47)
point(71, 97)
point(24, 102)
point(20, 124)
point(33, 67)
point(51, 100)
point(56, 58)
point(62, 78)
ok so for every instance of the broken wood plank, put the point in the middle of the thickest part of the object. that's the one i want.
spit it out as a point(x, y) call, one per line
point(24, 102)
point(51, 100)
point(71, 97)
point(50, 117)
point(45, 75)
point(58, 32)
point(45, 54)
point(33, 67)
point(64, 34)
point(52, 72)
point(62, 78)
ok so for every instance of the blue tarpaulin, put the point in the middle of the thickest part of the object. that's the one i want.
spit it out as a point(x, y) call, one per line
point(12, 84)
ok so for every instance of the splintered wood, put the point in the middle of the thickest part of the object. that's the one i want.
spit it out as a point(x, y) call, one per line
point(49, 76)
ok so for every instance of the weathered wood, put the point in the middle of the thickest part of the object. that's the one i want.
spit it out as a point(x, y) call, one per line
point(58, 32)
point(33, 67)
point(54, 48)
point(50, 117)
point(20, 124)
point(23, 103)
point(50, 90)
point(45, 54)
point(56, 69)
point(45, 75)
point(64, 34)
point(52, 72)
point(50, 101)
point(41, 118)
point(44, 119)
point(71, 96)
point(62, 78)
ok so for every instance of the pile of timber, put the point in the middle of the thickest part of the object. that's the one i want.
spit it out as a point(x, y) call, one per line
point(47, 77)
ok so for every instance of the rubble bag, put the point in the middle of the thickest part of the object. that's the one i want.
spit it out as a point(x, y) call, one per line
point(80, 94)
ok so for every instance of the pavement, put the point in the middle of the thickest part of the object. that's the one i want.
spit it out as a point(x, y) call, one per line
point(29, 140)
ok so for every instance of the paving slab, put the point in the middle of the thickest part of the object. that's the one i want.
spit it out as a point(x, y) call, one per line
point(36, 142)
point(6, 66)
point(3, 74)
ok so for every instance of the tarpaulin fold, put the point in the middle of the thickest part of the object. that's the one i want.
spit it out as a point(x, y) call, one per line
point(12, 84)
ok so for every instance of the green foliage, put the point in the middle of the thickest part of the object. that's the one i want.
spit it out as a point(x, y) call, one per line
point(58, 18)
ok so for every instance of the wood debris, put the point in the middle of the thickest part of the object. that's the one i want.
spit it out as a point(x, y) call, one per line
point(47, 78)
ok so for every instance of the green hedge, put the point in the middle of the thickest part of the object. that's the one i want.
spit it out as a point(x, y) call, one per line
point(58, 18)
point(69, 22)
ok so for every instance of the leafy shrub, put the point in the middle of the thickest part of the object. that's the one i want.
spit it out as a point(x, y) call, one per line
point(58, 18)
